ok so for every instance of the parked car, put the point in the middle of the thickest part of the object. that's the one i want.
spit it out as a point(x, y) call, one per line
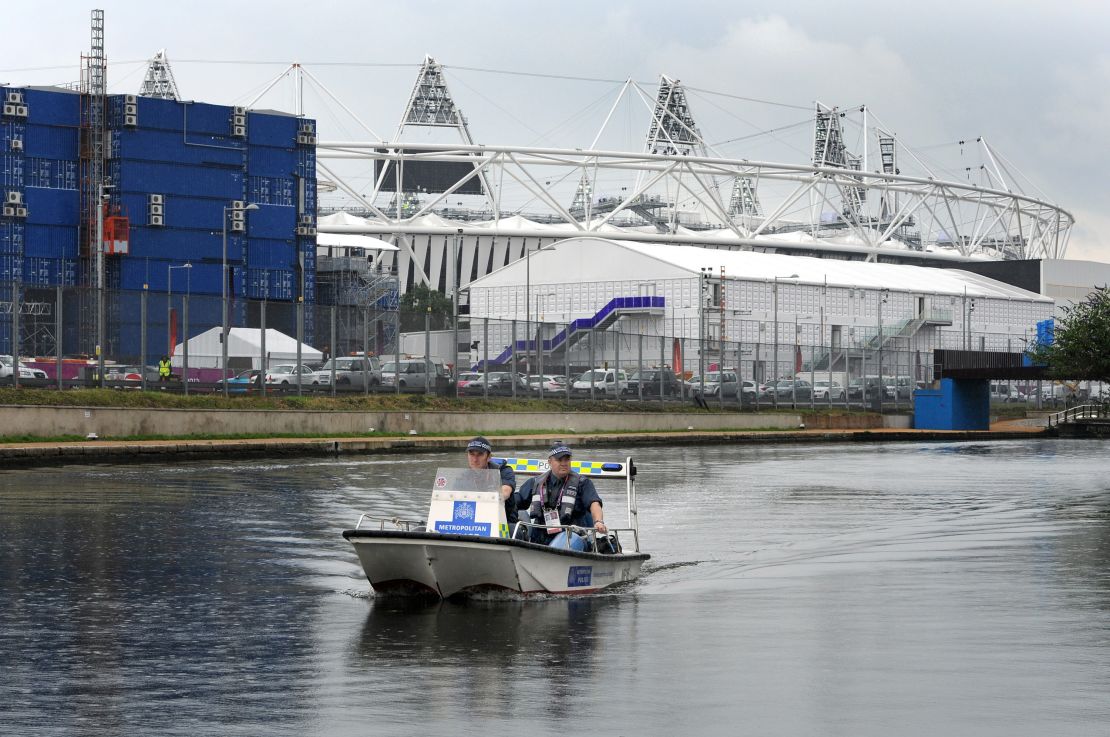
point(1002, 392)
point(827, 390)
point(720, 383)
point(500, 384)
point(552, 383)
point(749, 390)
point(865, 389)
point(26, 373)
point(351, 372)
point(412, 373)
point(898, 387)
point(650, 379)
point(243, 382)
point(285, 374)
point(465, 378)
point(788, 390)
point(604, 381)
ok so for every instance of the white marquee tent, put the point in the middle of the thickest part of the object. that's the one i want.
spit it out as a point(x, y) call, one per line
point(244, 349)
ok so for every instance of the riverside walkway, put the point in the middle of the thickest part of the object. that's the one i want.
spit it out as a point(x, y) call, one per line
point(28, 454)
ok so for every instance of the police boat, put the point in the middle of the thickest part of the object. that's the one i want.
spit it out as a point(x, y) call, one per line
point(467, 547)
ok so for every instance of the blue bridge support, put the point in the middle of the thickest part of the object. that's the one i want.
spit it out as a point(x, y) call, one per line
point(959, 404)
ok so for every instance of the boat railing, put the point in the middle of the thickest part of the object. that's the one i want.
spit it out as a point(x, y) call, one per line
point(625, 471)
point(590, 534)
point(408, 525)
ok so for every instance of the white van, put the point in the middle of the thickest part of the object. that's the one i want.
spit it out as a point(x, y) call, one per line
point(605, 381)
point(411, 373)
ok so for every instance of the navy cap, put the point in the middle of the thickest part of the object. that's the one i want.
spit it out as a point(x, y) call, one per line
point(558, 450)
point(479, 443)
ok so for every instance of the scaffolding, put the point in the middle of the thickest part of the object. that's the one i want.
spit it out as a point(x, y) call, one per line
point(367, 297)
point(94, 96)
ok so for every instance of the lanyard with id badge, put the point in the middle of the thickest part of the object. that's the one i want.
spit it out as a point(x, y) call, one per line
point(551, 516)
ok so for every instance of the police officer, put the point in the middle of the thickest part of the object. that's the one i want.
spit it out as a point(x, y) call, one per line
point(164, 369)
point(478, 452)
point(561, 497)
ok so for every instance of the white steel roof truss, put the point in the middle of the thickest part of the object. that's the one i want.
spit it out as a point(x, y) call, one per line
point(969, 209)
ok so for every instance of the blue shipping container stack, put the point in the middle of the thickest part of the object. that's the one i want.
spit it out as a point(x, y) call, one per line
point(174, 168)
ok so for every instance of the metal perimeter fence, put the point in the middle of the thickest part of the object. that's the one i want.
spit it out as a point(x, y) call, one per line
point(61, 337)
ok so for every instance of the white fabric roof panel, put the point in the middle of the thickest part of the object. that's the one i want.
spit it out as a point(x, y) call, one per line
point(350, 240)
point(343, 218)
point(859, 274)
point(600, 259)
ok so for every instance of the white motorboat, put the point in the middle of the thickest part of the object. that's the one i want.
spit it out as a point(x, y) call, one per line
point(465, 546)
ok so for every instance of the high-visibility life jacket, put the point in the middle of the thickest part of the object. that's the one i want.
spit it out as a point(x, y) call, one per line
point(566, 501)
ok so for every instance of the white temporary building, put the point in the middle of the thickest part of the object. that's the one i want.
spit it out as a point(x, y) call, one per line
point(747, 300)
point(244, 349)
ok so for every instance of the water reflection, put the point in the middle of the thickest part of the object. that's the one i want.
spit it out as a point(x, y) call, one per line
point(497, 632)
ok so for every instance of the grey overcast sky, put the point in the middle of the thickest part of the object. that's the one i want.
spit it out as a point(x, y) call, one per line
point(1033, 78)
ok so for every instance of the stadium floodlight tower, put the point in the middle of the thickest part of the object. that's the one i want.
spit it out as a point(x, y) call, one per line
point(673, 132)
point(829, 151)
point(431, 105)
point(159, 81)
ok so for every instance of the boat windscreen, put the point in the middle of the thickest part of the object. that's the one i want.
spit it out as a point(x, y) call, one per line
point(467, 479)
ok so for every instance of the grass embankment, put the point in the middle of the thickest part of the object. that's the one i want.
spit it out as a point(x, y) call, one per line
point(378, 402)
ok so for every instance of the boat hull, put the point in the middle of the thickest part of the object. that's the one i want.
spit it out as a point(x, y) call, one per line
point(447, 565)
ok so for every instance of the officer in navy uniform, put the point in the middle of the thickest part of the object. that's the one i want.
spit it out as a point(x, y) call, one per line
point(478, 452)
point(561, 497)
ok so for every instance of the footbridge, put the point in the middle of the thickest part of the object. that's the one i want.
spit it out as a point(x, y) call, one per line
point(962, 399)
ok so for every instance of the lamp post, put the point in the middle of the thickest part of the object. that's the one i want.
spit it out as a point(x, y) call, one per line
point(794, 361)
point(223, 293)
point(883, 295)
point(775, 359)
point(703, 287)
point(169, 303)
point(455, 310)
point(528, 294)
point(528, 305)
point(169, 316)
point(542, 301)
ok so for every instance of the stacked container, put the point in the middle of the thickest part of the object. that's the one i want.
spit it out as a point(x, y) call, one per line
point(173, 167)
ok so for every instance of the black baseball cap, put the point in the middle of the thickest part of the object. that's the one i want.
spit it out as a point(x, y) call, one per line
point(479, 443)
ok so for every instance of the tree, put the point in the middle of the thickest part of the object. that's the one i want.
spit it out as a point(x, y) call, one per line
point(415, 303)
point(1080, 348)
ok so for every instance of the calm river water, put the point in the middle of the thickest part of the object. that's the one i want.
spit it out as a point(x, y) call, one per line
point(903, 589)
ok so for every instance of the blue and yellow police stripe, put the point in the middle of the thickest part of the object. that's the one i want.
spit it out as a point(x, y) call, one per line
point(536, 466)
